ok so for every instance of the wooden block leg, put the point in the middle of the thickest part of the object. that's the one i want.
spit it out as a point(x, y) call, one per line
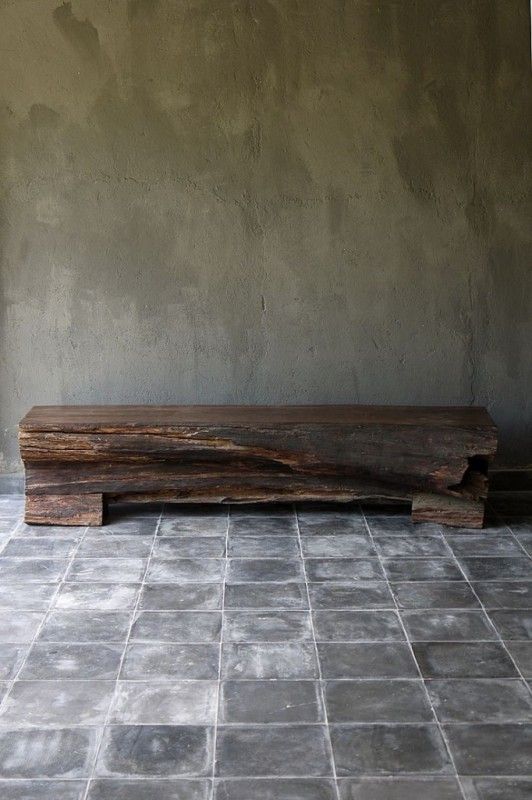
point(64, 509)
point(458, 512)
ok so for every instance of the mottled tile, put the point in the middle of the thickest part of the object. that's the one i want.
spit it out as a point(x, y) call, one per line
point(464, 660)
point(46, 531)
point(262, 526)
point(47, 753)
point(123, 525)
point(186, 570)
point(247, 702)
point(185, 789)
point(488, 569)
point(264, 569)
point(423, 788)
point(155, 751)
point(343, 569)
point(513, 623)
point(411, 546)
point(491, 749)
point(504, 594)
point(482, 544)
point(72, 662)
point(389, 750)
point(106, 570)
point(270, 750)
point(521, 652)
point(377, 701)
point(254, 510)
point(85, 626)
point(44, 704)
point(18, 626)
point(400, 523)
point(266, 626)
point(365, 594)
point(32, 570)
point(447, 625)
point(100, 596)
point(43, 547)
point(176, 703)
point(497, 788)
point(266, 595)
point(194, 526)
point(275, 789)
point(469, 700)
point(288, 660)
point(354, 625)
point(374, 660)
point(11, 658)
point(30, 597)
point(337, 545)
point(324, 524)
point(422, 569)
point(189, 547)
point(110, 546)
point(434, 594)
point(263, 546)
point(177, 626)
point(42, 790)
point(168, 662)
point(525, 540)
point(187, 597)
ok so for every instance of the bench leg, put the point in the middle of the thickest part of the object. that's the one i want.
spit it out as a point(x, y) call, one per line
point(459, 512)
point(64, 509)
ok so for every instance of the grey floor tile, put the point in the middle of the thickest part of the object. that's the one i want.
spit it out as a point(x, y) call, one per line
point(464, 660)
point(490, 749)
point(110, 546)
point(85, 626)
point(72, 662)
point(505, 594)
point(525, 540)
point(264, 569)
point(44, 704)
point(248, 546)
point(482, 544)
point(58, 531)
point(187, 597)
point(169, 751)
point(123, 510)
point(254, 510)
point(133, 526)
point(101, 596)
point(468, 700)
point(248, 702)
point(377, 701)
point(422, 569)
point(168, 662)
point(434, 594)
point(185, 789)
point(521, 652)
point(30, 597)
point(18, 626)
point(43, 547)
point(497, 788)
point(262, 526)
point(411, 546)
point(389, 750)
point(42, 790)
point(186, 570)
point(288, 660)
point(337, 545)
point(270, 750)
point(106, 570)
point(275, 789)
point(399, 789)
point(32, 570)
point(365, 594)
point(489, 569)
point(343, 569)
point(266, 595)
point(47, 753)
point(194, 526)
point(375, 660)
point(267, 626)
point(177, 626)
point(331, 525)
point(354, 625)
point(513, 624)
point(176, 703)
point(11, 658)
point(189, 547)
point(400, 523)
point(447, 625)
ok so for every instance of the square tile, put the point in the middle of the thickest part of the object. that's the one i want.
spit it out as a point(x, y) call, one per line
point(468, 700)
point(176, 703)
point(464, 660)
point(434, 594)
point(189, 547)
point(288, 660)
point(168, 662)
point(186, 570)
point(31, 597)
point(264, 569)
point(399, 789)
point(343, 569)
point(19, 627)
point(525, 540)
point(275, 789)
point(177, 626)
point(11, 658)
point(401, 524)
point(366, 594)
point(411, 546)
point(125, 789)
point(389, 750)
point(489, 569)
point(43, 547)
point(169, 751)
point(56, 703)
point(98, 596)
point(267, 626)
point(327, 524)
point(58, 531)
point(337, 545)
point(482, 544)
point(106, 570)
point(354, 625)
point(447, 625)
point(521, 652)
point(504, 594)
point(422, 569)
point(47, 753)
point(271, 750)
point(109, 546)
point(266, 595)
point(85, 626)
point(490, 749)
point(262, 526)
point(134, 526)
point(374, 660)
point(248, 546)
point(497, 788)
point(42, 790)
point(513, 623)
point(247, 702)
point(185, 597)
point(31, 570)
point(194, 526)
point(253, 510)
point(72, 662)
point(377, 701)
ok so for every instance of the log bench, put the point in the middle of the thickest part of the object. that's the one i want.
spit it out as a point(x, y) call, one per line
point(79, 457)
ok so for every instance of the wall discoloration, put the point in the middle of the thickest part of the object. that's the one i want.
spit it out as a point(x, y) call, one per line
point(266, 201)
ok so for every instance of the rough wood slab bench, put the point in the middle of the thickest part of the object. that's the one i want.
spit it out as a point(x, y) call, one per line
point(77, 457)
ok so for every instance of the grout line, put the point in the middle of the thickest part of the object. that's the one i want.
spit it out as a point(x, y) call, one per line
point(132, 622)
point(409, 643)
point(318, 663)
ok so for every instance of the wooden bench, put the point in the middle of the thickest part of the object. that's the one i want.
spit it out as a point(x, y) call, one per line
point(77, 457)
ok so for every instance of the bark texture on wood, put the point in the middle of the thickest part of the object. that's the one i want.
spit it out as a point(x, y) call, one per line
point(64, 509)
point(459, 512)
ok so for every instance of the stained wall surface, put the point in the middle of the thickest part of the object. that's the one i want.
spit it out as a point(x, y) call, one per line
point(248, 201)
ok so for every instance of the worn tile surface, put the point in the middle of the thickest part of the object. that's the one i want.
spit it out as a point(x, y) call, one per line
point(323, 653)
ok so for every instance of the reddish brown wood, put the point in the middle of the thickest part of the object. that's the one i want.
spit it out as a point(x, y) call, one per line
point(459, 512)
point(64, 509)
point(257, 453)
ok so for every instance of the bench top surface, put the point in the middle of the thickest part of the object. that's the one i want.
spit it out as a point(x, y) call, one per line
point(120, 417)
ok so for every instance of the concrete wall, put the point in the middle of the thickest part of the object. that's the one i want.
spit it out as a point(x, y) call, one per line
point(266, 201)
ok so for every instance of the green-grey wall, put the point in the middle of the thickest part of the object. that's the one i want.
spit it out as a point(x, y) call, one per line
point(266, 201)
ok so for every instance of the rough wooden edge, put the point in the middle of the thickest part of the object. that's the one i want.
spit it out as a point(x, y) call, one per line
point(64, 509)
point(457, 512)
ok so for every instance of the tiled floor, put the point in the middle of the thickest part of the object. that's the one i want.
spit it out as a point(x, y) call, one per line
point(250, 654)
